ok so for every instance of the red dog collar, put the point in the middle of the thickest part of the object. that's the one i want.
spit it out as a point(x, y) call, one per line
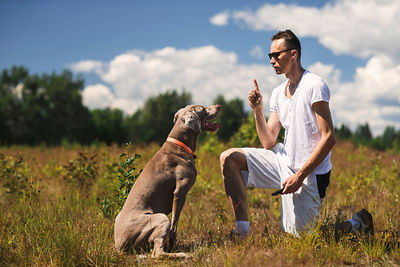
point(179, 143)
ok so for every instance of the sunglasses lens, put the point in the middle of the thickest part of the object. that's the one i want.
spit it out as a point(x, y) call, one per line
point(274, 55)
point(277, 54)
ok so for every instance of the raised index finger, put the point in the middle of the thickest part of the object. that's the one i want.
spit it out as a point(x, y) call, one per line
point(255, 84)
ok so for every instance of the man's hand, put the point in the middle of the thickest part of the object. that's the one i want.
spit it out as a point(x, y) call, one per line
point(292, 184)
point(255, 97)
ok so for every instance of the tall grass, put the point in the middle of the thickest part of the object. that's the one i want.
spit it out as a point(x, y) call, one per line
point(49, 217)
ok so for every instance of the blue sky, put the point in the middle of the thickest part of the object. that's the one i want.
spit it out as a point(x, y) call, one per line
point(130, 50)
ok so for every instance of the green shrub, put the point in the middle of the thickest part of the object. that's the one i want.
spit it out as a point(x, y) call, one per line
point(127, 176)
point(14, 175)
point(82, 171)
point(247, 134)
point(212, 144)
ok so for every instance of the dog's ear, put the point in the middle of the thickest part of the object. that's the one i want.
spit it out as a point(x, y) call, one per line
point(177, 115)
point(193, 121)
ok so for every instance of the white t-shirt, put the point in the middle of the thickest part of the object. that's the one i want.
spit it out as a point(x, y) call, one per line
point(297, 117)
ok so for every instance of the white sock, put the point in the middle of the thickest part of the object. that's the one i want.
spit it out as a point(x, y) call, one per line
point(356, 224)
point(243, 228)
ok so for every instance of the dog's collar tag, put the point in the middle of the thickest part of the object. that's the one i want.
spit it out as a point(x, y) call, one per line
point(181, 144)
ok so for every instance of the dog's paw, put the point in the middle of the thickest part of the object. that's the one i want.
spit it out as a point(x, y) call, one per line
point(171, 256)
point(180, 255)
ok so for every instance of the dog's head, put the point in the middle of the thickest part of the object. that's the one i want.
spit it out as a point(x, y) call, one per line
point(198, 117)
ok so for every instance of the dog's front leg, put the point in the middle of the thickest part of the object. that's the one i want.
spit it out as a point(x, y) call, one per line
point(182, 188)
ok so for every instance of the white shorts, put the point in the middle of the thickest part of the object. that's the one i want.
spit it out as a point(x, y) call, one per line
point(268, 169)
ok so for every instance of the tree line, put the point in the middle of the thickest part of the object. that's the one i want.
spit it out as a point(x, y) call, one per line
point(48, 109)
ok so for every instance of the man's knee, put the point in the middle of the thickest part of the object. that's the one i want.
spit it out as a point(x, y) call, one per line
point(226, 157)
point(223, 157)
point(233, 158)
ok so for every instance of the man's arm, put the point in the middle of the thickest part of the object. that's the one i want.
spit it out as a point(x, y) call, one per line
point(325, 126)
point(267, 132)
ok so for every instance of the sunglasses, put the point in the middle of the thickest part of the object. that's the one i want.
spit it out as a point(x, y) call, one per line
point(277, 54)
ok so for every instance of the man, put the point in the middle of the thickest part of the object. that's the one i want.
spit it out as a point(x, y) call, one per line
point(301, 166)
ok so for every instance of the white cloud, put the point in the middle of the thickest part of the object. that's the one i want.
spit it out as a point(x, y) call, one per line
point(257, 52)
point(372, 97)
point(87, 66)
point(360, 28)
point(368, 29)
point(330, 74)
point(127, 105)
point(97, 96)
point(205, 72)
point(17, 91)
point(220, 19)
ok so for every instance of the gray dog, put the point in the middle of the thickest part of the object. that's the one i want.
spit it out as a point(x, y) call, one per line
point(163, 185)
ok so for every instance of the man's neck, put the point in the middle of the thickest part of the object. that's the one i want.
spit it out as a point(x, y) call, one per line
point(295, 75)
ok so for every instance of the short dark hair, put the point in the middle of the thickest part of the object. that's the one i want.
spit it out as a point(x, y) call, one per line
point(291, 40)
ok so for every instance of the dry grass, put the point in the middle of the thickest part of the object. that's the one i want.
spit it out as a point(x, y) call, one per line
point(52, 222)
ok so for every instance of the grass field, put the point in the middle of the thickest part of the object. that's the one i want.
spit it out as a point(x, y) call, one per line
point(51, 199)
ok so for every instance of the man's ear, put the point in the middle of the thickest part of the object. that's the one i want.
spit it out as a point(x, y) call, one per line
point(193, 121)
point(294, 52)
point(177, 115)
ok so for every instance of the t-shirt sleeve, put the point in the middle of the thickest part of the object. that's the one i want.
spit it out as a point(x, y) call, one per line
point(320, 92)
